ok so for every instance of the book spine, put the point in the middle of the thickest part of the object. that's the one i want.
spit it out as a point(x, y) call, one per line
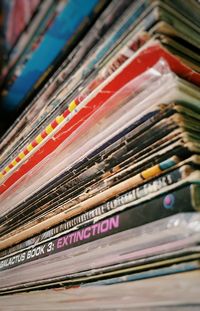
point(165, 160)
point(101, 26)
point(128, 197)
point(148, 56)
point(111, 156)
point(123, 200)
point(180, 200)
point(100, 55)
point(151, 168)
point(94, 179)
point(121, 57)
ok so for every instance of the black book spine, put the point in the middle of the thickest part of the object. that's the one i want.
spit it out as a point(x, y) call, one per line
point(127, 198)
point(92, 174)
point(185, 199)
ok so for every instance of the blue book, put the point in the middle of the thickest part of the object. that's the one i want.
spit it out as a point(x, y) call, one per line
point(65, 26)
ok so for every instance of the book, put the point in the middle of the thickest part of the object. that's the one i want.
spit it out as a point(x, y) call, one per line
point(152, 294)
point(143, 193)
point(117, 230)
point(57, 139)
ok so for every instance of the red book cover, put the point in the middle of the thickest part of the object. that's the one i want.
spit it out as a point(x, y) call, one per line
point(145, 59)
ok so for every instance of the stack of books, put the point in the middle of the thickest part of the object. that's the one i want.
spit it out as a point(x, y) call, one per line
point(100, 171)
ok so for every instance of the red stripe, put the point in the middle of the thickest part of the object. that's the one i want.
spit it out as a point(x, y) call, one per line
point(77, 101)
point(54, 124)
point(34, 143)
point(26, 151)
point(44, 134)
point(66, 113)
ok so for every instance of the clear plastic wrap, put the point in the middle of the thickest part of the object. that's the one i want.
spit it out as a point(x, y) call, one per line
point(178, 235)
point(48, 100)
point(111, 66)
point(139, 95)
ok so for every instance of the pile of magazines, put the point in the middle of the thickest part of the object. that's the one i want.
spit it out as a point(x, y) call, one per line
point(100, 171)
